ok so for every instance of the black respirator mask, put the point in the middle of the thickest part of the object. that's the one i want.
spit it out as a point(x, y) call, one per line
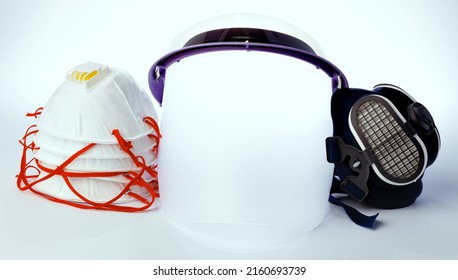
point(382, 144)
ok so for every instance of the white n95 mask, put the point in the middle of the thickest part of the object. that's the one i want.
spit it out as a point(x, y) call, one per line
point(94, 144)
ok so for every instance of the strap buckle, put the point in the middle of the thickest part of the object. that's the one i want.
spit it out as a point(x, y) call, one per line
point(358, 161)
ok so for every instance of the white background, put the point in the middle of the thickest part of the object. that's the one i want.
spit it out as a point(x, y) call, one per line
point(408, 43)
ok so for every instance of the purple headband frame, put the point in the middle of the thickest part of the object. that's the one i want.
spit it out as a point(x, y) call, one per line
point(156, 77)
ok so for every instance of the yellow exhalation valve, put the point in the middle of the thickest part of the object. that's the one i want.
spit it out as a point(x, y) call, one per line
point(88, 74)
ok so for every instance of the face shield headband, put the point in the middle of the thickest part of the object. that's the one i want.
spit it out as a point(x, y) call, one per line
point(242, 39)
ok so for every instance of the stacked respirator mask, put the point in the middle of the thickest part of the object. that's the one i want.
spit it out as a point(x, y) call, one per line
point(94, 144)
point(383, 139)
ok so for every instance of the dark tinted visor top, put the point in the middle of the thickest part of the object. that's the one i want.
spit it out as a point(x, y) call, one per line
point(252, 35)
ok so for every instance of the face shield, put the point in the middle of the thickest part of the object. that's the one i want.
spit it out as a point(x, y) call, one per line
point(244, 119)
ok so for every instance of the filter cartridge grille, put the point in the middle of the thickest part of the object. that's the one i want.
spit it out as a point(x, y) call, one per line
point(380, 130)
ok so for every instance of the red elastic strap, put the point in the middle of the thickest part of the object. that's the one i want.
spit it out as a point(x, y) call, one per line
point(138, 160)
point(36, 113)
point(155, 126)
point(125, 146)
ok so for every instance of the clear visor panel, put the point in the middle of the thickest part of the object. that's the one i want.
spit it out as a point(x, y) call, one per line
point(242, 163)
